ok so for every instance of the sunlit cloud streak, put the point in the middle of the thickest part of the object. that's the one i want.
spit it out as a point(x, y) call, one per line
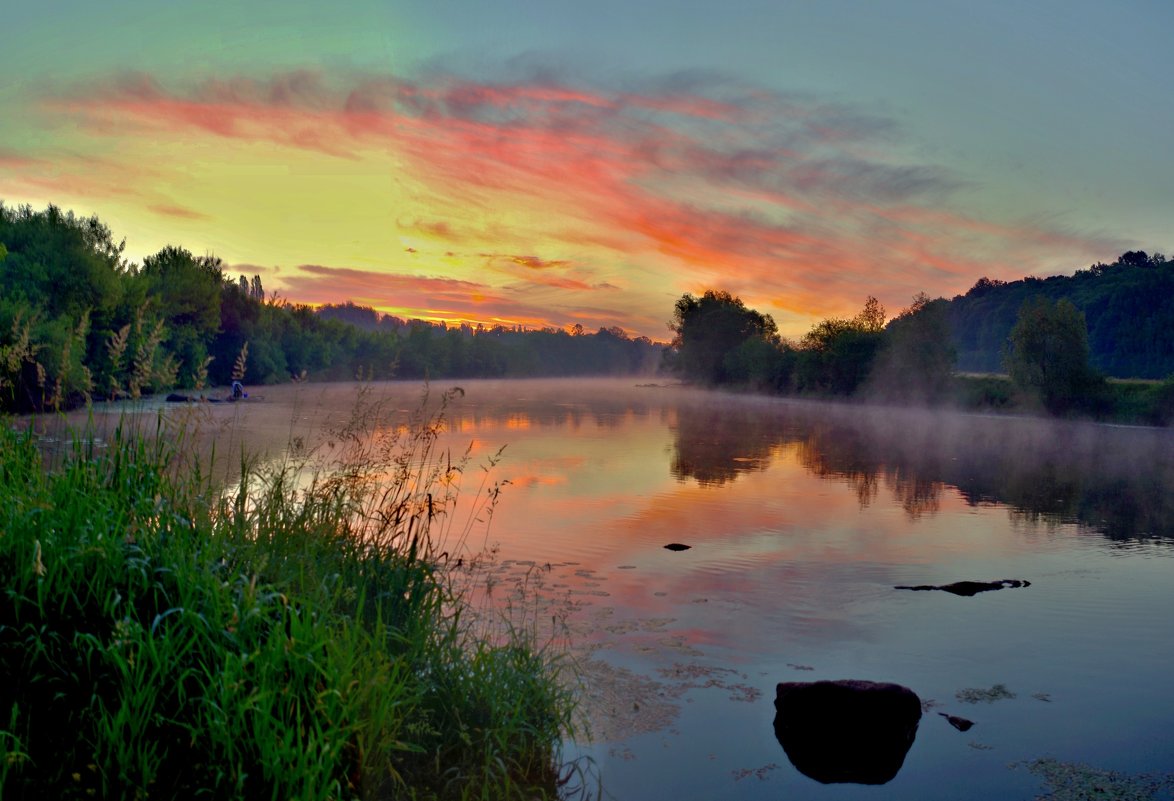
point(427, 297)
point(695, 181)
point(170, 210)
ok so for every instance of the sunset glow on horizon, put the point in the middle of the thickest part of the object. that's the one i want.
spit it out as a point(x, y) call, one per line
point(541, 171)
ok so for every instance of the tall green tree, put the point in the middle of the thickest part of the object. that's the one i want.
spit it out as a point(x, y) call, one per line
point(836, 356)
point(916, 359)
point(58, 262)
point(186, 291)
point(1049, 357)
point(709, 328)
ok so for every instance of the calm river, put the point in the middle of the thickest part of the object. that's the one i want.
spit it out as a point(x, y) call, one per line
point(802, 518)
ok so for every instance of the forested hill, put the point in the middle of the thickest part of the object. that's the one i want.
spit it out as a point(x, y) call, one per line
point(1128, 306)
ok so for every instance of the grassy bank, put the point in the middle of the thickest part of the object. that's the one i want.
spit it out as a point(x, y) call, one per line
point(161, 639)
point(1132, 401)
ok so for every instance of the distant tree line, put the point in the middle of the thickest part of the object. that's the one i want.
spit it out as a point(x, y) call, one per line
point(79, 321)
point(912, 358)
point(719, 341)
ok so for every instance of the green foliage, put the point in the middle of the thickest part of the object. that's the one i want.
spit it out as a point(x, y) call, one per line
point(761, 363)
point(985, 392)
point(1128, 306)
point(278, 641)
point(836, 356)
point(65, 354)
point(912, 359)
point(62, 274)
point(18, 354)
point(709, 328)
point(1153, 404)
point(59, 263)
point(186, 292)
point(916, 359)
point(177, 319)
point(1163, 403)
point(1049, 357)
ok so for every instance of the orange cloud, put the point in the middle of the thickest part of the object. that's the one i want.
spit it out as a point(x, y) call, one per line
point(801, 206)
point(433, 298)
point(535, 263)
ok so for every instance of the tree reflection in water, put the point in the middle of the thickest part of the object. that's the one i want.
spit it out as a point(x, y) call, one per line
point(1118, 481)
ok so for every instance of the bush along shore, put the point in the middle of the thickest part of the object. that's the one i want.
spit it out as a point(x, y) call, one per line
point(287, 638)
point(911, 359)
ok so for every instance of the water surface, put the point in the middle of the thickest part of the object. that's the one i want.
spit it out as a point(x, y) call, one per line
point(802, 518)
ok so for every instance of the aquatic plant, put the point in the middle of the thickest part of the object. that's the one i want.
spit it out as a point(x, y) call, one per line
point(1069, 781)
point(977, 695)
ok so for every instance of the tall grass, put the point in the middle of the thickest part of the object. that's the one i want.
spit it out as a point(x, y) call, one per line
point(290, 638)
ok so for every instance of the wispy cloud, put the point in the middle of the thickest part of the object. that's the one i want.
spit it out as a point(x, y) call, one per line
point(533, 262)
point(662, 185)
point(16, 160)
point(427, 297)
point(182, 212)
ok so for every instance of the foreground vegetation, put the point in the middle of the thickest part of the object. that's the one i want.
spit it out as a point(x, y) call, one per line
point(281, 640)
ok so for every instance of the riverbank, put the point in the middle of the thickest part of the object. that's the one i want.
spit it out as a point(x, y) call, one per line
point(1128, 401)
point(287, 638)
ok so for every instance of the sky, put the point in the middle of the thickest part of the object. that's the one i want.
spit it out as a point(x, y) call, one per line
point(557, 163)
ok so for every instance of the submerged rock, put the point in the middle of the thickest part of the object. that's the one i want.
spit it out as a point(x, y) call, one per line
point(961, 724)
point(970, 588)
point(846, 731)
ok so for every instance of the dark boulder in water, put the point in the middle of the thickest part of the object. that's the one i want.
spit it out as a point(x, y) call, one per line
point(676, 546)
point(846, 731)
point(970, 588)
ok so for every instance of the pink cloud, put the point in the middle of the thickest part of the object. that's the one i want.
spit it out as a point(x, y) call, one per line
point(427, 297)
point(182, 212)
point(800, 204)
point(436, 229)
point(15, 160)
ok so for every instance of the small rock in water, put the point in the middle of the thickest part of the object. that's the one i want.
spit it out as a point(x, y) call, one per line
point(961, 724)
point(676, 546)
point(969, 588)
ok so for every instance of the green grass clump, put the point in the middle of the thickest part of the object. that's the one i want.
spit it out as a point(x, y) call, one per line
point(1145, 402)
point(289, 639)
point(983, 392)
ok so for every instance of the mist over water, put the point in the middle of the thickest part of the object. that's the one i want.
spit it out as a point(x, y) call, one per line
point(802, 519)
